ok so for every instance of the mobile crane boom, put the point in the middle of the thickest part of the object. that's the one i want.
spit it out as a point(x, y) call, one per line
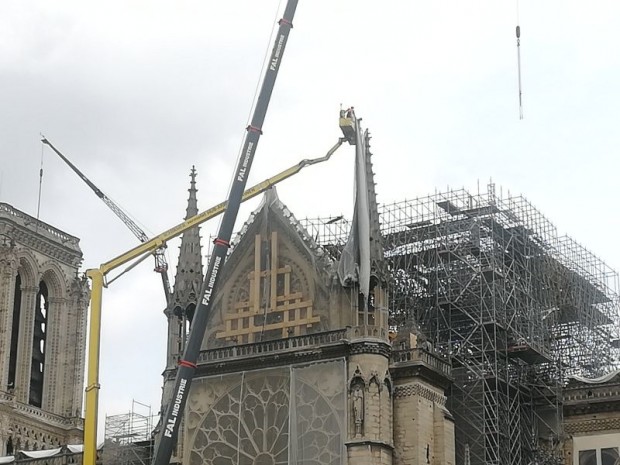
point(187, 366)
point(161, 265)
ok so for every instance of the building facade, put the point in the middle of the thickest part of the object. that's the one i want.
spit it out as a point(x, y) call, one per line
point(298, 362)
point(493, 316)
point(43, 310)
point(592, 421)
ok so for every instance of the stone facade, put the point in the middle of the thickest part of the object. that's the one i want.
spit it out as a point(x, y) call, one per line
point(423, 427)
point(298, 364)
point(43, 305)
point(592, 421)
point(293, 371)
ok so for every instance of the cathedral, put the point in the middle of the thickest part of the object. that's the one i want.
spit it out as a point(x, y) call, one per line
point(457, 328)
point(298, 363)
point(43, 310)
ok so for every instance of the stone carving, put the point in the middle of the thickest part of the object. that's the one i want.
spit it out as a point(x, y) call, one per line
point(275, 417)
point(585, 426)
point(358, 408)
point(413, 389)
point(357, 385)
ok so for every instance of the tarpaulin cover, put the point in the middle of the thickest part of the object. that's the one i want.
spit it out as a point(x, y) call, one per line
point(354, 263)
point(75, 448)
point(600, 379)
point(37, 454)
point(8, 459)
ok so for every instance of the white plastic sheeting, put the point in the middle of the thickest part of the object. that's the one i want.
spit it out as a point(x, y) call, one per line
point(599, 380)
point(354, 263)
point(37, 454)
point(8, 459)
point(75, 448)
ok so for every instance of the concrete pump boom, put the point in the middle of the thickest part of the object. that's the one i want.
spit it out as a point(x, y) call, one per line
point(161, 265)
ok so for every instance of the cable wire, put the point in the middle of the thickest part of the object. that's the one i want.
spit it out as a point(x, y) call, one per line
point(40, 185)
point(518, 33)
point(256, 90)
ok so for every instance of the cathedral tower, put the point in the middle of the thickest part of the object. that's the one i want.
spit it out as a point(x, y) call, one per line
point(187, 282)
point(43, 307)
point(180, 309)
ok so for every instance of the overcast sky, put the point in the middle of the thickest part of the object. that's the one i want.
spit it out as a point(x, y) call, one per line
point(136, 92)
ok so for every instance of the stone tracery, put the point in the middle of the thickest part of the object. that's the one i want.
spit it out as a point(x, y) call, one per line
point(274, 417)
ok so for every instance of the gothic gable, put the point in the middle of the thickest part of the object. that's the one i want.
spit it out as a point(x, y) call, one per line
point(275, 284)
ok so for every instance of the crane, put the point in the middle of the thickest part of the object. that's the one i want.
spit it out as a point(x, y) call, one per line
point(139, 253)
point(161, 265)
point(187, 365)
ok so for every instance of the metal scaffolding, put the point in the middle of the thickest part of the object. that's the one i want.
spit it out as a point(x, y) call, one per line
point(515, 307)
point(128, 437)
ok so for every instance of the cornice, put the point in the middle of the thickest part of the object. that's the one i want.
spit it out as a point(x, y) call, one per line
point(320, 346)
point(591, 425)
point(413, 389)
point(40, 237)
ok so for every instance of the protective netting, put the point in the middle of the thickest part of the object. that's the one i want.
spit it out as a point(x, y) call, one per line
point(294, 414)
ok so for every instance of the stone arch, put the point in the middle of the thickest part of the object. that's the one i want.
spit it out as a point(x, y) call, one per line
point(387, 382)
point(374, 379)
point(358, 378)
point(28, 269)
point(54, 279)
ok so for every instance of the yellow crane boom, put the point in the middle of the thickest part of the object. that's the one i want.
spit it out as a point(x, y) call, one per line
point(97, 276)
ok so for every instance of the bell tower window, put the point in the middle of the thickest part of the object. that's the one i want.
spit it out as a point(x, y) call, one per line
point(17, 303)
point(38, 346)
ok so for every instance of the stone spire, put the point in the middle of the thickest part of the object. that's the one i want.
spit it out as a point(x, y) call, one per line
point(377, 261)
point(189, 268)
point(180, 309)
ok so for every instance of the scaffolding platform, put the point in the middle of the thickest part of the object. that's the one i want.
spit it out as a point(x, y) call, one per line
point(512, 304)
point(528, 354)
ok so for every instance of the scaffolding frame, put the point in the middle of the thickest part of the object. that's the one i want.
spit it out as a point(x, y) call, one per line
point(513, 305)
point(128, 436)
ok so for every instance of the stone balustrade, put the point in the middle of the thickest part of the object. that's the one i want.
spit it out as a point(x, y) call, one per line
point(40, 227)
point(420, 355)
point(318, 340)
point(29, 410)
point(270, 347)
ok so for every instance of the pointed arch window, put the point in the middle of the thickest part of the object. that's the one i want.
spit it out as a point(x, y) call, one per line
point(17, 303)
point(37, 368)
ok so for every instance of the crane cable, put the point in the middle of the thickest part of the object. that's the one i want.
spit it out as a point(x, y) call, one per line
point(518, 32)
point(40, 185)
point(265, 57)
point(259, 81)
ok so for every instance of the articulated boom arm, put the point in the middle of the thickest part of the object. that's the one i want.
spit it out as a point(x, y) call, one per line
point(161, 266)
point(160, 240)
point(137, 253)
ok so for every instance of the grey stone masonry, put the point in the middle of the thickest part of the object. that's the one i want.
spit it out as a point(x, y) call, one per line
point(43, 311)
